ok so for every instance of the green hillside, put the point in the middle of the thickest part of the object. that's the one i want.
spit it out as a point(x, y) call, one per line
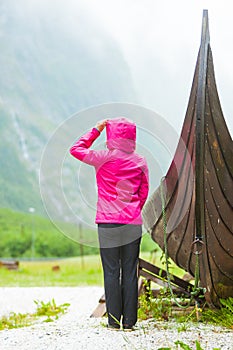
point(26, 235)
point(49, 71)
point(29, 235)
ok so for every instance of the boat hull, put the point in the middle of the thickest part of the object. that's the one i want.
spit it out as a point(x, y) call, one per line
point(198, 188)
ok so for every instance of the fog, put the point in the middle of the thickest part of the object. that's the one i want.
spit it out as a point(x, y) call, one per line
point(159, 41)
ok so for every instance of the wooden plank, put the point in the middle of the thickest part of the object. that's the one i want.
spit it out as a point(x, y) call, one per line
point(10, 265)
point(149, 277)
point(100, 310)
point(160, 273)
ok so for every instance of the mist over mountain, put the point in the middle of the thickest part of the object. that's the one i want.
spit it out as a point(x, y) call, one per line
point(53, 64)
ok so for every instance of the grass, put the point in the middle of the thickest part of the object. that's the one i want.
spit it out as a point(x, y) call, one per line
point(49, 311)
point(77, 271)
point(72, 272)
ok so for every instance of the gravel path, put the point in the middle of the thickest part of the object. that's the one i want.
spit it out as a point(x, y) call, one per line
point(76, 330)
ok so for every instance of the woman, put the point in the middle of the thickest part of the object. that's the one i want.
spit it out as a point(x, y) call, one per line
point(122, 181)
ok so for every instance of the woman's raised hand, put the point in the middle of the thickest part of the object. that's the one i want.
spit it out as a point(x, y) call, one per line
point(101, 125)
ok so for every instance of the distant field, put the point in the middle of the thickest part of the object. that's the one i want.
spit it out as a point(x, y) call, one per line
point(73, 272)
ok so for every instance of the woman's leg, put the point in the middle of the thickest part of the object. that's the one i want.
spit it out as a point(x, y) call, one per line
point(109, 240)
point(129, 259)
point(111, 266)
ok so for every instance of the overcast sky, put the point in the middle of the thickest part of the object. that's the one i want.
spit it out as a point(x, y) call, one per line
point(160, 41)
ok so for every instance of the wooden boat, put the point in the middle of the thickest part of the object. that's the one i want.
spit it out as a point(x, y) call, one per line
point(198, 187)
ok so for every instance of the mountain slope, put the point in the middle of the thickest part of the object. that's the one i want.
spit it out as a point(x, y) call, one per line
point(51, 67)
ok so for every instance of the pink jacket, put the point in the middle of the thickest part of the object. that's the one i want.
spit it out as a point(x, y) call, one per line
point(121, 174)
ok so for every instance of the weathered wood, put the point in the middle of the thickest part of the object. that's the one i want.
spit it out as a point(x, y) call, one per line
point(100, 310)
point(198, 187)
point(10, 265)
point(159, 276)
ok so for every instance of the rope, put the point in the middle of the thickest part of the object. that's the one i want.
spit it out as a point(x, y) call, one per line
point(196, 290)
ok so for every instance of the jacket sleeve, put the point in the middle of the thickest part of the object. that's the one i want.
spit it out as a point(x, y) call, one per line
point(81, 151)
point(144, 186)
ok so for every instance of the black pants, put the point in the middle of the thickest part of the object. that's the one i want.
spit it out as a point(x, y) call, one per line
point(120, 262)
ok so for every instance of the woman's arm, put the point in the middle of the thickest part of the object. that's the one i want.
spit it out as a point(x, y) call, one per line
point(80, 149)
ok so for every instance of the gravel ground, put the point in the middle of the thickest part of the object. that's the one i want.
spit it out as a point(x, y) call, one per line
point(77, 330)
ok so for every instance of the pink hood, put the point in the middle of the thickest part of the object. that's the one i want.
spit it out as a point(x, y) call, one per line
point(121, 134)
